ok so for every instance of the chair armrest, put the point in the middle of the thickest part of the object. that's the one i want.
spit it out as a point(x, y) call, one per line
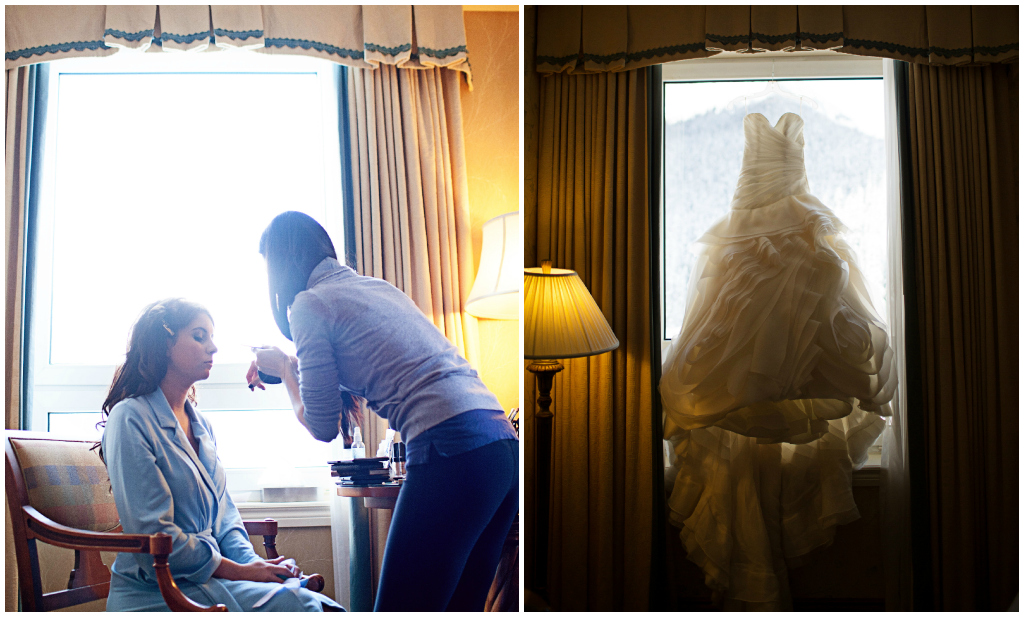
point(52, 532)
point(315, 582)
point(268, 529)
point(159, 545)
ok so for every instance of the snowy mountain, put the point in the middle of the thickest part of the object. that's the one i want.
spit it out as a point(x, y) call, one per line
point(845, 169)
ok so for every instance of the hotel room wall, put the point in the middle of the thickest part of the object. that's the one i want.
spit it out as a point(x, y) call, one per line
point(491, 128)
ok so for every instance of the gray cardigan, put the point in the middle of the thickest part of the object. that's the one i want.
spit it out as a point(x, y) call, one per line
point(362, 334)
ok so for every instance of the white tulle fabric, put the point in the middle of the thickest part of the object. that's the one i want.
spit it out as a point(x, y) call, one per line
point(774, 387)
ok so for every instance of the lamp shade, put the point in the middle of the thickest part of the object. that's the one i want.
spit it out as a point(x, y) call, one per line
point(495, 293)
point(562, 319)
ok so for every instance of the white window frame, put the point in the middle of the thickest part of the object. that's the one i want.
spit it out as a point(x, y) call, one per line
point(823, 64)
point(82, 388)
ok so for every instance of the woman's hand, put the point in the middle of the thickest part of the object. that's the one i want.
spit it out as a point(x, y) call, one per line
point(261, 571)
point(272, 361)
point(253, 378)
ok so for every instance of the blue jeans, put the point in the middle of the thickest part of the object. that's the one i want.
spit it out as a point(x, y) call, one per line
point(450, 522)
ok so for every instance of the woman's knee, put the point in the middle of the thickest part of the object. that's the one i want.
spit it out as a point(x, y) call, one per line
point(300, 600)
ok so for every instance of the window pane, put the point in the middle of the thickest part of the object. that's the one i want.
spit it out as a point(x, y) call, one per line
point(844, 156)
point(80, 424)
point(266, 438)
point(163, 184)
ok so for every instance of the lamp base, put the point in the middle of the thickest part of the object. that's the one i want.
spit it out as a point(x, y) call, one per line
point(545, 370)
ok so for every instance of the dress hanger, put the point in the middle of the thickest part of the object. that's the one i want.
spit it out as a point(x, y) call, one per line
point(772, 87)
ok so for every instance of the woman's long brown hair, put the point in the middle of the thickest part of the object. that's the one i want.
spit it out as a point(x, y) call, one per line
point(293, 245)
point(145, 363)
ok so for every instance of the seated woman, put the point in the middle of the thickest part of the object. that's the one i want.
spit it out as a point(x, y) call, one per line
point(165, 475)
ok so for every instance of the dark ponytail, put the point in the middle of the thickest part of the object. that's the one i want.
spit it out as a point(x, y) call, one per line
point(293, 245)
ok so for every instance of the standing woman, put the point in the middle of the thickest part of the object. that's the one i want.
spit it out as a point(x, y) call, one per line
point(359, 336)
point(161, 455)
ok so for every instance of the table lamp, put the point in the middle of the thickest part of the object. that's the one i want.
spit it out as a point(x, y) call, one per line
point(562, 321)
point(495, 293)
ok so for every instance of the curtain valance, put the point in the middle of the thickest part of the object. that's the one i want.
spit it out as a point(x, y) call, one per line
point(593, 39)
point(358, 36)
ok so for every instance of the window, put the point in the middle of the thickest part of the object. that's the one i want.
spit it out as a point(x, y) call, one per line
point(703, 149)
point(844, 132)
point(159, 174)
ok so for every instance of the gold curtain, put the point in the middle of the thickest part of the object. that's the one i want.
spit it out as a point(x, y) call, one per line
point(964, 141)
point(590, 215)
point(588, 39)
point(411, 214)
point(16, 157)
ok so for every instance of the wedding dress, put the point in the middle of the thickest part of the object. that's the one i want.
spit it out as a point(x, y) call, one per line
point(775, 386)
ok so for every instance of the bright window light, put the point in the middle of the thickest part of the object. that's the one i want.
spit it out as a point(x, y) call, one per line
point(160, 172)
point(844, 156)
point(164, 183)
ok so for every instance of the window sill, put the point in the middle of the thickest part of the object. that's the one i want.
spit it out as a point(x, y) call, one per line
point(868, 475)
point(296, 514)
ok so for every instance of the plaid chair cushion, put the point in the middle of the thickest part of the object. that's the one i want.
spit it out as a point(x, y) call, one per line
point(67, 482)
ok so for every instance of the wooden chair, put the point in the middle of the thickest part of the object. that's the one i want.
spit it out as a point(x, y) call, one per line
point(58, 492)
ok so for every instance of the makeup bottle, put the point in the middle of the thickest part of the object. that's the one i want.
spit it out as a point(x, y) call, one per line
point(397, 460)
point(358, 449)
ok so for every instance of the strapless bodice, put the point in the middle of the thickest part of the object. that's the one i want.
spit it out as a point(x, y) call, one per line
point(773, 162)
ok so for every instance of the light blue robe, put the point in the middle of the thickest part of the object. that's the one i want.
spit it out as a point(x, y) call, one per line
point(160, 485)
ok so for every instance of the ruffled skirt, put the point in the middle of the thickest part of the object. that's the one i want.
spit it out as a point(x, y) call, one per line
point(773, 393)
point(747, 511)
point(780, 335)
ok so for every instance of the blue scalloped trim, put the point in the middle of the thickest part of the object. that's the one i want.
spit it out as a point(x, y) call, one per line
point(629, 57)
point(53, 49)
point(331, 49)
point(820, 38)
point(603, 59)
point(128, 36)
point(442, 53)
point(994, 51)
point(890, 47)
point(662, 51)
point(556, 59)
point(950, 53)
point(184, 38)
point(159, 42)
point(238, 34)
point(388, 51)
point(728, 40)
point(774, 39)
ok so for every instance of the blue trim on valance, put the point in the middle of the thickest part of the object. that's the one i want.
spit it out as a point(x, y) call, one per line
point(55, 48)
point(556, 59)
point(994, 51)
point(890, 47)
point(128, 36)
point(820, 38)
point(238, 34)
point(304, 44)
point(774, 39)
point(388, 51)
point(442, 53)
point(184, 38)
point(728, 40)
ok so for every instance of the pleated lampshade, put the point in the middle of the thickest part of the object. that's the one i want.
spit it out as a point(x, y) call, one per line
point(495, 293)
point(562, 319)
